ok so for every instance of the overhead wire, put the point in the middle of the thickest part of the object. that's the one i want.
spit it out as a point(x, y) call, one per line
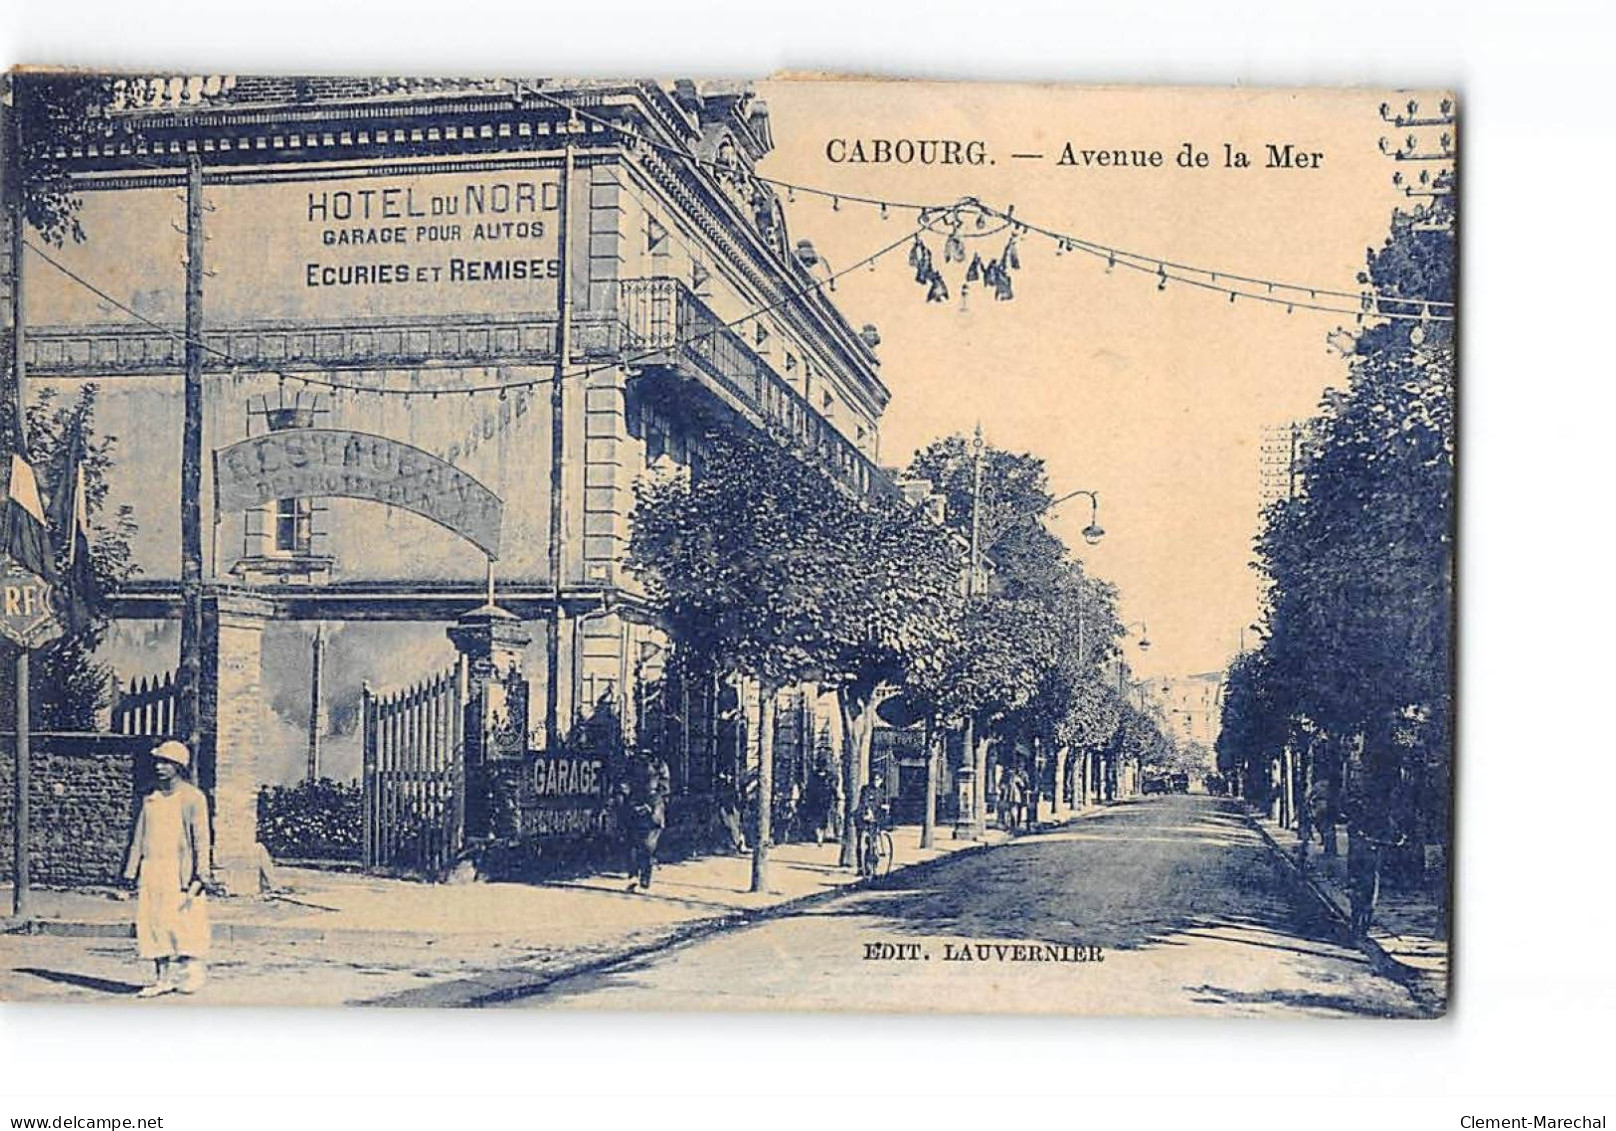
point(466, 390)
point(1429, 307)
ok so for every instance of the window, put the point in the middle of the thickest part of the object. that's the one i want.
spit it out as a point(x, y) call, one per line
point(293, 526)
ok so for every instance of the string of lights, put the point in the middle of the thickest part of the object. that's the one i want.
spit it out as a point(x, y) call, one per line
point(502, 389)
point(1273, 291)
point(995, 272)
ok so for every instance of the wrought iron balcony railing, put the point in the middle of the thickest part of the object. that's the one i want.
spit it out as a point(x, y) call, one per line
point(660, 316)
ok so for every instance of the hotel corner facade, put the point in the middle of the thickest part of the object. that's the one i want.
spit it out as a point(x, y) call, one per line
point(464, 288)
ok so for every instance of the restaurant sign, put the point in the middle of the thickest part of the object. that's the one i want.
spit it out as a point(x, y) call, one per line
point(331, 462)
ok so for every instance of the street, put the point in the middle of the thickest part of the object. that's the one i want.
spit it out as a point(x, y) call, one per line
point(1192, 912)
point(1162, 905)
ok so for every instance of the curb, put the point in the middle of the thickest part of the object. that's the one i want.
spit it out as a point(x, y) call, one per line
point(1383, 963)
point(226, 931)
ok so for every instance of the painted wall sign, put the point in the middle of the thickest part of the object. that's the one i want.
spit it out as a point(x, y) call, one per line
point(330, 462)
point(566, 795)
point(296, 248)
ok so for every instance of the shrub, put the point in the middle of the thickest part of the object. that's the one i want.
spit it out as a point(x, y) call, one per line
point(313, 820)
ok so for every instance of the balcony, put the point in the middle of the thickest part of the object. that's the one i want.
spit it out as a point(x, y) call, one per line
point(664, 323)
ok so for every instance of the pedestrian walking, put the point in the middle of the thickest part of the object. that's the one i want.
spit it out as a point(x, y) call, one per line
point(647, 814)
point(727, 813)
point(1371, 832)
point(788, 812)
point(169, 862)
point(1024, 798)
point(819, 799)
point(1012, 797)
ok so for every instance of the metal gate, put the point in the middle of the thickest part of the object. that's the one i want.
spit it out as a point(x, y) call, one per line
point(415, 774)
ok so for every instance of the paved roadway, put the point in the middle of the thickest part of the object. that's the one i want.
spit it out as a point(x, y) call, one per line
point(1191, 913)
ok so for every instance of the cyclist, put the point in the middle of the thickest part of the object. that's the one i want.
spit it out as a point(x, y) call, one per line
point(870, 818)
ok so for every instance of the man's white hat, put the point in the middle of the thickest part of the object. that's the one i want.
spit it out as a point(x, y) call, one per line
point(173, 751)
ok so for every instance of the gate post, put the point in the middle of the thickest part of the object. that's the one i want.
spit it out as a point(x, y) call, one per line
point(496, 705)
point(232, 729)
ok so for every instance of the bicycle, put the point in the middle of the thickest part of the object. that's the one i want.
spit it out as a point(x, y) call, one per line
point(876, 853)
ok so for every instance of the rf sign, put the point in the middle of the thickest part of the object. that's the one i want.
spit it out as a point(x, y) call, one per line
point(27, 616)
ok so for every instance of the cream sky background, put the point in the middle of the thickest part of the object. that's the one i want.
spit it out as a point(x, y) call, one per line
point(1156, 400)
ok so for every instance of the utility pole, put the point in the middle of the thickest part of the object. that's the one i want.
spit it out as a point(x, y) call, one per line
point(969, 824)
point(190, 682)
point(23, 756)
point(317, 701)
point(928, 815)
point(11, 134)
point(1290, 481)
point(552, 649)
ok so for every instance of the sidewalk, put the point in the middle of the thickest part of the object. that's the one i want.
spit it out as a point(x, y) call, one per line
point(307, 945)
point(1407, 936)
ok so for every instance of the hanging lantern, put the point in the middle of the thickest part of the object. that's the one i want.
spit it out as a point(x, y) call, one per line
point(974, 271)
point(954, 248)
point(1012, 260)
point(1001, 290)
point(938, 291)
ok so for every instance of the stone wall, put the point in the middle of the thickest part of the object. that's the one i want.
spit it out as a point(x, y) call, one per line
point(82, 804)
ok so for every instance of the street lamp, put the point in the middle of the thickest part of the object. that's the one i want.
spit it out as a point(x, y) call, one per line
point(1144, 634)
point(1092, 533)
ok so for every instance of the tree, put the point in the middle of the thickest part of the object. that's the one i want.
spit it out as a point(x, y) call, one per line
point(1360, 563)
point(1031, 644)
point(762, 565)
point(899, 621)
point(48, 116)
point(1027, 558)
point(56, 112)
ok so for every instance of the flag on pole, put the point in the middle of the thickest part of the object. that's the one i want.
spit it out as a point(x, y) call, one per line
point(70, 519)
point(24, 537)
point(78, 585)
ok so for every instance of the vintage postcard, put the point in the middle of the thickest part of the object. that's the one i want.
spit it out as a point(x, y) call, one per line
point(793, 544)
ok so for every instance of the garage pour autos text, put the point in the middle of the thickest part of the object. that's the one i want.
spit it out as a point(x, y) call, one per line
point(397, 216)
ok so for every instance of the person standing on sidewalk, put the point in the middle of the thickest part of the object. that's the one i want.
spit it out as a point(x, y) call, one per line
point(649, 786)
point(170, 864)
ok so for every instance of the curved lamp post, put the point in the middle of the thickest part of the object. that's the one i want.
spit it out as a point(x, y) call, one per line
point(1144, 634)
point(1093, 532)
